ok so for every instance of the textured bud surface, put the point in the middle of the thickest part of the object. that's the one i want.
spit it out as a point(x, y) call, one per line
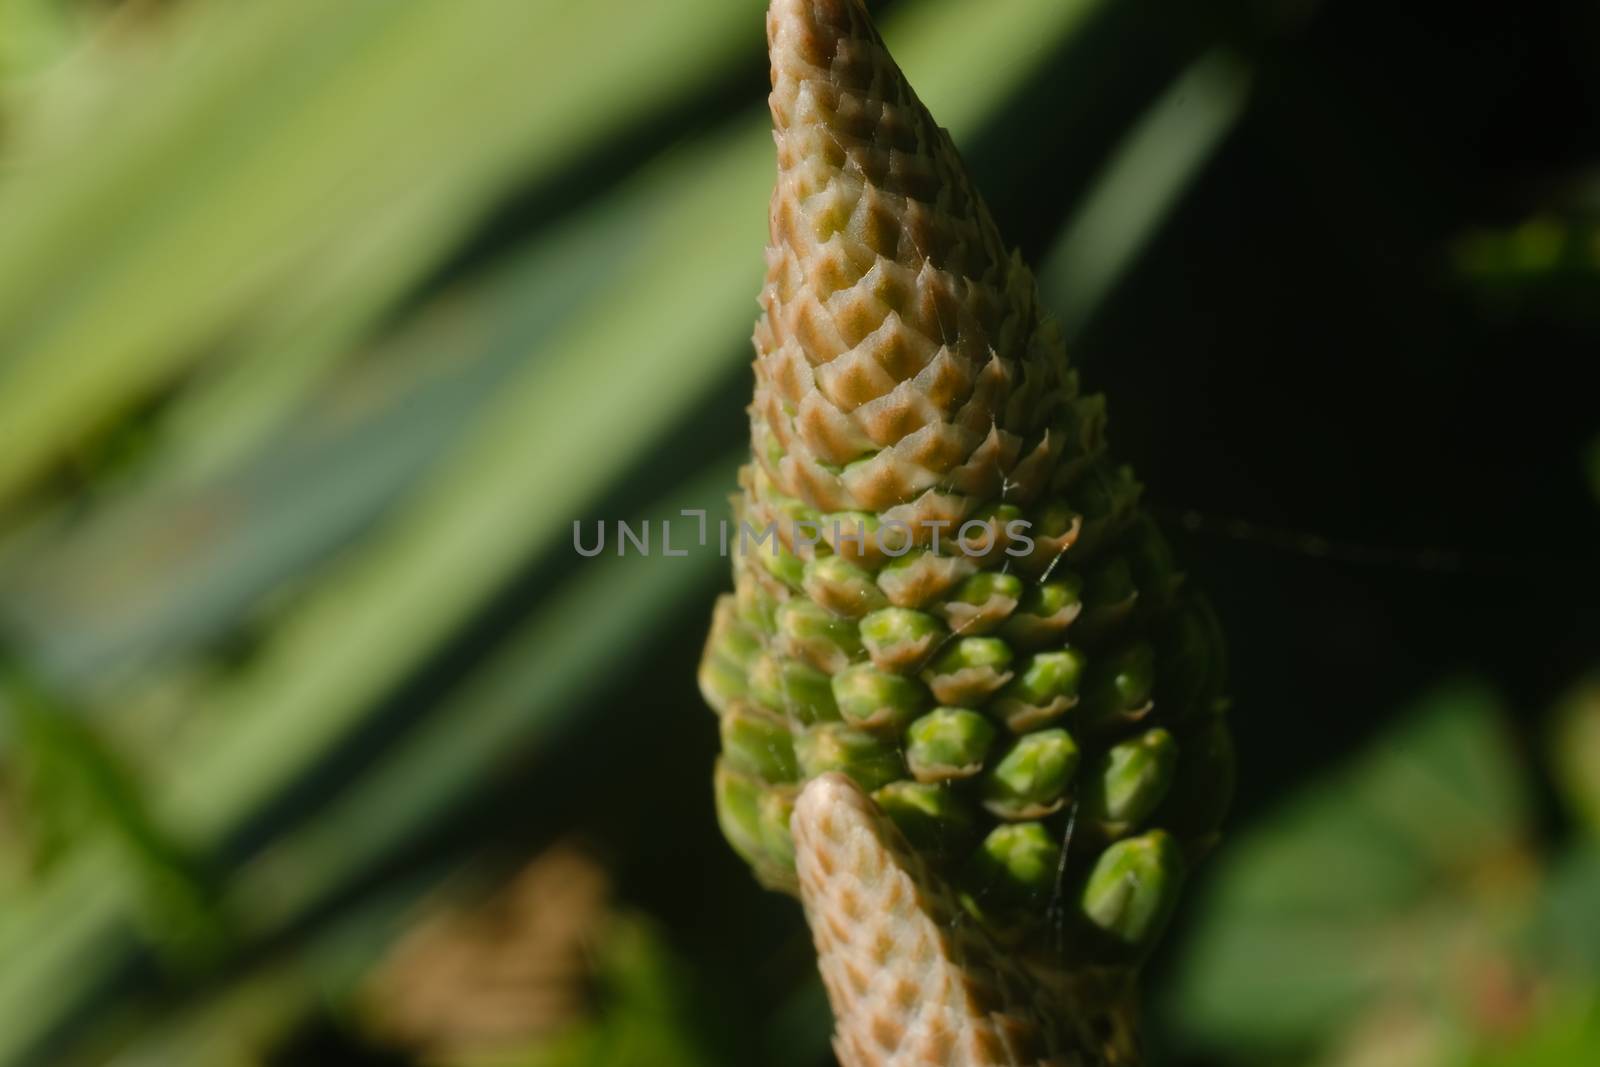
point(964, 1001)
point(962, 612)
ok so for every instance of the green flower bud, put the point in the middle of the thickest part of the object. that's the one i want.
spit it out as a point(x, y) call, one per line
point(997, 520)
point(1119, 687)
point(756, 607)
point(797, 526)
point(920, 577)
point(1106, 498)
point(1056, 519)
point(982, 602)
point(1193, 661)
point(778, 561)
point(1046, 611)
point(793, 687)
point(899, 639)
point(1155, 569)
point(876, 700)
point(817, 635)
point(774, 810)
point(1042, 691)
point(740, 800)
point(1202, 790)
point(729, 650)
point(859, 536)
point(948, 743)
point(1054, 529)
point(1127, 782)
point(969, 670)
point(842, 587)
point(1031, 779)
point(737, 798)
point(871, 762)
point(1108, 600)
point(1131, 892)
point(731, 638)
point(765, 443)
point(757, 742)
point(932, 817)
point(1013, 869)
point(721, 683)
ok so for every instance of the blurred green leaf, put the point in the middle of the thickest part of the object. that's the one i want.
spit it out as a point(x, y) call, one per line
point(1141, 183)
point(509, 492)
point(530, 688)
point(77, 793)
point(1550, 262)
point(164, 567)
point(1535, 250)
point(1358, 887)
point(1575, 752)
point(1567, 1035)
point(33, 33)
point(1566, 936)
point(243, 1019)
point(293, 185)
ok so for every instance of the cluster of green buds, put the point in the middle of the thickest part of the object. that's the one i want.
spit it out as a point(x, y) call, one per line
point(945, 589)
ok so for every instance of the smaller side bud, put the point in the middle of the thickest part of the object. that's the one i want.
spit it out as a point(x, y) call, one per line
point(1132, 890)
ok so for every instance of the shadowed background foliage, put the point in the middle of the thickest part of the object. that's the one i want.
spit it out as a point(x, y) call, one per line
point(321, 324)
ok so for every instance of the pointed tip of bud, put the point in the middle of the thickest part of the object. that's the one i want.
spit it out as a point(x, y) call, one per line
point(832, 793)
point(809, 30)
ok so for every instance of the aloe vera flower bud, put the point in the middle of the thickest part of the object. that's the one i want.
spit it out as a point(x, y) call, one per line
point(987, 663)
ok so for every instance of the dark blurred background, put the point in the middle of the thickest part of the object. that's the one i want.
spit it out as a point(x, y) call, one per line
point(321, 324)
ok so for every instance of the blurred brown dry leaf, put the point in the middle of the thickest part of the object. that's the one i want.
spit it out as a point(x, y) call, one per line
point(472, 977)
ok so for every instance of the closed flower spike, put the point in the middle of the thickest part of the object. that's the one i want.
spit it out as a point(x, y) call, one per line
point(965, 654)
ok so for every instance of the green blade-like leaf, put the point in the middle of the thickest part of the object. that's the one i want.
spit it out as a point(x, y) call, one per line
point(250, 160)
point(1141, 183)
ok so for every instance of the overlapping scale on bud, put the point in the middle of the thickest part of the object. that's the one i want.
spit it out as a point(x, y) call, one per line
point(945, 588)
